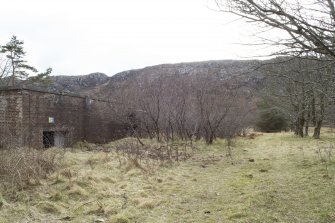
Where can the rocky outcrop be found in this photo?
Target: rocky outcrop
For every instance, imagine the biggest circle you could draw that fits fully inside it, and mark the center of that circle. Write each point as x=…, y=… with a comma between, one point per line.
x=77, y=83
x=80, y=84
x=100, y=85
x=246, y=71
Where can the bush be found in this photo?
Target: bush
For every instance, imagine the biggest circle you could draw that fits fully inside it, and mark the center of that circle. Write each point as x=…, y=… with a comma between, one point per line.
x=22, y=167
x=271, y=120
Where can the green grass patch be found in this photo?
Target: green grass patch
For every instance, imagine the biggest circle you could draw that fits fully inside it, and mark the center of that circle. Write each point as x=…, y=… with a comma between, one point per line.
x=271, y=178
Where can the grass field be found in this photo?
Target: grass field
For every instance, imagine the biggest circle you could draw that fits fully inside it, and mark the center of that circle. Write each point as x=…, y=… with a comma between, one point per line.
x=272, y=178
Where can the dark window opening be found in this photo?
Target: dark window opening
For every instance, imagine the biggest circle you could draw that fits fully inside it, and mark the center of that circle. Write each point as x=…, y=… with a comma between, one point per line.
x=54, y=139
x=48, y=139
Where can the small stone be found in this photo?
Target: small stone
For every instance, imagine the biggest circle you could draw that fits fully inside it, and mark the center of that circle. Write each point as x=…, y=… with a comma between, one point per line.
x=66, y=218
x=99, y=220
x=250, y=176
x=326, y=176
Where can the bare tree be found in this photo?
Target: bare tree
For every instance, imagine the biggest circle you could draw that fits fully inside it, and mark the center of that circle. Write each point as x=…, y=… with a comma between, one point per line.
x=300, y=88
x=309, y=24
x=182, y=107
x=214, y=101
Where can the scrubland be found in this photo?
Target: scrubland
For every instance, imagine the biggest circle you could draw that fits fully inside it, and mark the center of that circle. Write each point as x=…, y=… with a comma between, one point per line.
x=273, y=177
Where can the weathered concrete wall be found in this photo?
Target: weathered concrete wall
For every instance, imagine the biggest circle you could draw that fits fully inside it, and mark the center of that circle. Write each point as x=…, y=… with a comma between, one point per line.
x=27, y=113
x=100, y=125
x=66, y=111
x=11, y=116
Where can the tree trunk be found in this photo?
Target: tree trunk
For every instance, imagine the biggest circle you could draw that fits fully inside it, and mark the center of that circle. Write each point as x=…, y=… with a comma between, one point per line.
x=317, y=130
x=296, y=127
x=299, y=127
x=209, y=138
x=318, y=124
x=307, y=122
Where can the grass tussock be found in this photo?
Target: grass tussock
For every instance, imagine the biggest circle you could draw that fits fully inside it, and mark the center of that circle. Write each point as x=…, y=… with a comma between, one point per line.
x=23, y=167
x=268, y=178
x=48, y=207
x=119, y=219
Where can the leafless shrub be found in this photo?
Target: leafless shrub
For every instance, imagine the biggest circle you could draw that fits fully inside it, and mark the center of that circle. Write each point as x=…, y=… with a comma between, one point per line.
x=174, y=108
x=325, y=154
x=23, y=166
x=162, y=152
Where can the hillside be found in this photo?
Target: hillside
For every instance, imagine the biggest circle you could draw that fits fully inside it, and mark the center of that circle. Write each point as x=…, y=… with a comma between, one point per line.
x=71, y=84
x=102, y=85
x=77, y=83
x=245, y=71
x=63, y=83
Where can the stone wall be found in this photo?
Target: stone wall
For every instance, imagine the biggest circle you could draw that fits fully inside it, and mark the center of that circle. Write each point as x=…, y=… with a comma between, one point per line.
x=44, y=111
x=79, y=118
x=11, y=114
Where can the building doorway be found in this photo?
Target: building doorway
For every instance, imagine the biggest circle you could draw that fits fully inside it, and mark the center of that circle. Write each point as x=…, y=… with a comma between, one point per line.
x=53, y=139
x=59, y=139
x=48, y=139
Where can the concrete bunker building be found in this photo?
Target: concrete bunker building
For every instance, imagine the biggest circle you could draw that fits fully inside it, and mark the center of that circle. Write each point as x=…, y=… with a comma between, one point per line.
x=42, y=119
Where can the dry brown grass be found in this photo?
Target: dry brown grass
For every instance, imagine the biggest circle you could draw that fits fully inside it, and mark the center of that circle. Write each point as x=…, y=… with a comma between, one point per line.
x=273, y=178
x=23, y=167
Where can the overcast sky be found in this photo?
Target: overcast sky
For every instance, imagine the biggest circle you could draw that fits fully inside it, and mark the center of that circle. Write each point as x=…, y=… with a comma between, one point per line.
x=80, y=37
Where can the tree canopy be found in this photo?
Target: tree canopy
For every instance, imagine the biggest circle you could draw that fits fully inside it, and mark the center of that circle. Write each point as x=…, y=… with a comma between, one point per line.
x=14, y=66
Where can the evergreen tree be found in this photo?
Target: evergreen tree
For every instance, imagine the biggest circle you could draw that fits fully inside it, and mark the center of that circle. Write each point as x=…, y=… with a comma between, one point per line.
x=41, y=78
x=270, y=119
x=15, y=55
